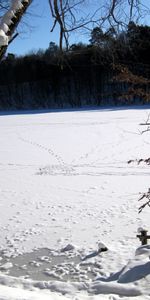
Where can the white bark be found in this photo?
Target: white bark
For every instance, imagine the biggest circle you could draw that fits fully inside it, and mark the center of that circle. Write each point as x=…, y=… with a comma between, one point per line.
x=6, y=21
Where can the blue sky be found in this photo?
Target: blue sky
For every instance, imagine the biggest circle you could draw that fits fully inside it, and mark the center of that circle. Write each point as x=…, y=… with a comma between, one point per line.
x=34, y=33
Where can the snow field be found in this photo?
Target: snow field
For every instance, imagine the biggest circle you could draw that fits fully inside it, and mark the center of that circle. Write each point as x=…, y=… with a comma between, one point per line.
x=65, y=180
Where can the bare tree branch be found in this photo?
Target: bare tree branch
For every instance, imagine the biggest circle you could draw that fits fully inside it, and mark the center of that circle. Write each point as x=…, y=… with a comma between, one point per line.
x=147, y=203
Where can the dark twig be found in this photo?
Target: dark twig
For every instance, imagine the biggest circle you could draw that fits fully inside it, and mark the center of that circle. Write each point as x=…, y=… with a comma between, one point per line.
x=147, y=203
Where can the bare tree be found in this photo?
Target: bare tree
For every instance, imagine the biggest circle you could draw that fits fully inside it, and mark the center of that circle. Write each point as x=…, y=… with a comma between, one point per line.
x=71, y=15
x=118, y=13
x=66, y=15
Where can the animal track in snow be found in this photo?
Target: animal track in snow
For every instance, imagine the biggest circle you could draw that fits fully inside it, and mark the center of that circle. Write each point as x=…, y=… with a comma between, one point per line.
x=56, y=170
x=89, y=170
x=50, y=151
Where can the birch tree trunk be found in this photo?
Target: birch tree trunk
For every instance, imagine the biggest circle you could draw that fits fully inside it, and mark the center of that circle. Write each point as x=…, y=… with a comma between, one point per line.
x=10, y=21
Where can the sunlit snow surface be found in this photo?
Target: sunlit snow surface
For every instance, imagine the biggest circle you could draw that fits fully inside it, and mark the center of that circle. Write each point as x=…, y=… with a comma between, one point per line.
x=65, y=180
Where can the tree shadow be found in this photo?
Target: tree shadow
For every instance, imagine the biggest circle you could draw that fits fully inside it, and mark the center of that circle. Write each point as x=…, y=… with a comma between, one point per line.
x=75, y=109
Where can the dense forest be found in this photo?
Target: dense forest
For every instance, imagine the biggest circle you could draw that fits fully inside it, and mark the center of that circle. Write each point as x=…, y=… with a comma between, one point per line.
x=112, y=69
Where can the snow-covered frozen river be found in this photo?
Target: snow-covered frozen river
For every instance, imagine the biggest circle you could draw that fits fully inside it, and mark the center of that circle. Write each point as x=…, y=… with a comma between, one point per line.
x=65, y=180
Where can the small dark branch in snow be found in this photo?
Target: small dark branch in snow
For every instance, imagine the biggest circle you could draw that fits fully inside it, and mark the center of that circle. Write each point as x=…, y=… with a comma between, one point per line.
x=141, y=160
x=130, y=161
x=146, y=130
x=95, y=253
x=146, y=123
x=138, y=161
x=143, y=236
x=145, y=196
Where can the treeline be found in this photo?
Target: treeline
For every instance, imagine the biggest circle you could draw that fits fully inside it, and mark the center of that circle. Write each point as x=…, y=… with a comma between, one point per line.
x=95, y=74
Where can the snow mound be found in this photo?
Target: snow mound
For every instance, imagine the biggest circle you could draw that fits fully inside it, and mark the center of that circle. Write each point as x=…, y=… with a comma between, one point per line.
x=135, y=270
x=6, y=266
x=115, y=288
x=143, y=250
x=133, y=280
x=102, y=247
